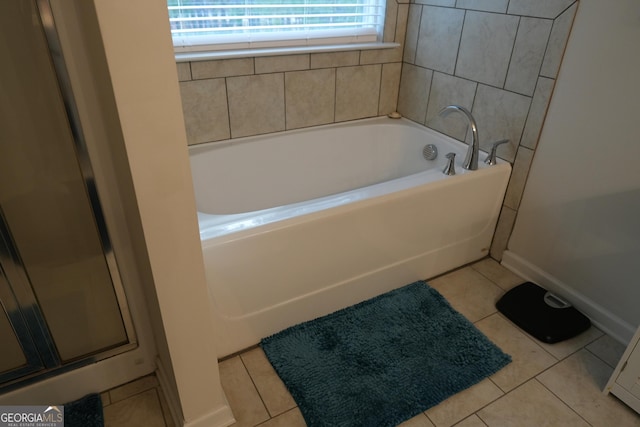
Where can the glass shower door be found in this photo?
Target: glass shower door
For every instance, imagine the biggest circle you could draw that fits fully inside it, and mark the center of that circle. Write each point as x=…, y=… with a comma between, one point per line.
x=58, y=267
x=18, y=356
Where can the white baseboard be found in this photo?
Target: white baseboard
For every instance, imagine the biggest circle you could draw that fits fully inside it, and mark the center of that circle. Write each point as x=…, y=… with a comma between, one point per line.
x=170, y=396
x=220, y=417
x=602, y=318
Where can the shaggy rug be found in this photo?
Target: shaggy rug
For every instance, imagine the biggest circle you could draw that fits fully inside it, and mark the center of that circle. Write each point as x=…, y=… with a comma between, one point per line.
x=383, y=361
x=85, y=412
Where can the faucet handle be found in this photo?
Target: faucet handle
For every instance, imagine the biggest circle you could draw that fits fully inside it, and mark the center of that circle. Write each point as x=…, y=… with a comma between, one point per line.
x=450, y=169
x=492, y=157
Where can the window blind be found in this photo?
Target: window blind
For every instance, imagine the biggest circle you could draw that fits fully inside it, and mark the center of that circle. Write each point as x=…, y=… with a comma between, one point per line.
x=239, y=24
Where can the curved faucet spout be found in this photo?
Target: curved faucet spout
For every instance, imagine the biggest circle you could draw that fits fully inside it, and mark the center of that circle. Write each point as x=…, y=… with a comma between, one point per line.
x=471, y=159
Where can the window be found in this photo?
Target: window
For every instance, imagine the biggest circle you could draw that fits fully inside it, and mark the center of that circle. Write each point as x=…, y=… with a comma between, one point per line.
x=199, y=25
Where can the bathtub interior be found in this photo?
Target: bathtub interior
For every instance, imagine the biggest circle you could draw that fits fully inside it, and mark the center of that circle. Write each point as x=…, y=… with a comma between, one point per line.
x=238, y=187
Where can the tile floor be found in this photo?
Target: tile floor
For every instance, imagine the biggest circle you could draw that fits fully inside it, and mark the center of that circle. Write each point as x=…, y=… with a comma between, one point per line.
x=545, y=385
x=139, y=403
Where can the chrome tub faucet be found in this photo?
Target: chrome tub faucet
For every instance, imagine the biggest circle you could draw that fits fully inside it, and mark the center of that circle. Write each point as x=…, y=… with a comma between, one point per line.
x=473, y=152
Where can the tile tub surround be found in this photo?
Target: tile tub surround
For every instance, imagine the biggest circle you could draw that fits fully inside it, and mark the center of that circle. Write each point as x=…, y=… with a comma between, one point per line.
x=497, y=58
x=233, y=98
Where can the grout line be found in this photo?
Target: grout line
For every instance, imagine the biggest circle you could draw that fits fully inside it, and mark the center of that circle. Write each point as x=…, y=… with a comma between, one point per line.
x=380, y=82
x=513, y=49
x=561, y=400
x=285, y=412
x=130, y=395
x=335, y=91
x=255, y=386
x=455, y=64
x=597, y=356
x=284, y=98
x=238, y=353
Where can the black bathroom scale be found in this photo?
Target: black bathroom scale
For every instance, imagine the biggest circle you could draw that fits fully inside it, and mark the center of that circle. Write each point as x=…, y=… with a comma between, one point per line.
x=542, y=314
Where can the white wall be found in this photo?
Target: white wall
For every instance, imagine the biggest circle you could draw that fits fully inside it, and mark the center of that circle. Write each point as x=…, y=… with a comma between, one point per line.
x=139, y=56
x=578, y=227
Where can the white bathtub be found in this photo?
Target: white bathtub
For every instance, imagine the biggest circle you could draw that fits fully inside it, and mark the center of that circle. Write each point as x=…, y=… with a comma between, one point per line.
x=298, y=224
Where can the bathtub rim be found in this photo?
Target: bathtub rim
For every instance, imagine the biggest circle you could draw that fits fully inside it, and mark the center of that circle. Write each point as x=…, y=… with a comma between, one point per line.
x=384, y=196
x=218, y=226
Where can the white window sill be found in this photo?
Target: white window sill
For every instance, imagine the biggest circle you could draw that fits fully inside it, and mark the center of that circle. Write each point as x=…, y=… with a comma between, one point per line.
x=245, y=53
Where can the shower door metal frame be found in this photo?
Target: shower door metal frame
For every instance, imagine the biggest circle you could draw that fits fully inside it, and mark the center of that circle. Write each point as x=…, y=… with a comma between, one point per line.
x=12, y=310
x=16, y=295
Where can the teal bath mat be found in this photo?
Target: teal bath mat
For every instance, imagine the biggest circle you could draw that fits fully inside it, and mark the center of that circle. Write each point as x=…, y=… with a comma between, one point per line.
x=85, y=412
x=382, y=361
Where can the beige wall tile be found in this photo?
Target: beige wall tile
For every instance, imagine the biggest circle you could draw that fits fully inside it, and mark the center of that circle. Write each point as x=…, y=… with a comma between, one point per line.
x=222, y=68
x=380, y=56
x=390, y=21
x=485, y=47
x=527, y=56
x=499, y=6
x=310, y=97
x=411, y=38
x=415, y=85
x=275, y=64
x=184, y=71
x=448, y=3
x=439, y=38
x=503, y=230
x=518, y=179
x=500, y=115
x=557, y=42
x=538, y=8
x=256, y=104
x=389, y=88
x=335, y=59
x=204, y=104
x=479, y=43
x=537, y=112
x=357, y=92
x=403, y=19
x=450, y=90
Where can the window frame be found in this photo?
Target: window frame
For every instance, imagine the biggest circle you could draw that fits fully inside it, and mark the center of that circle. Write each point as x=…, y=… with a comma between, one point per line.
x=286, y=45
